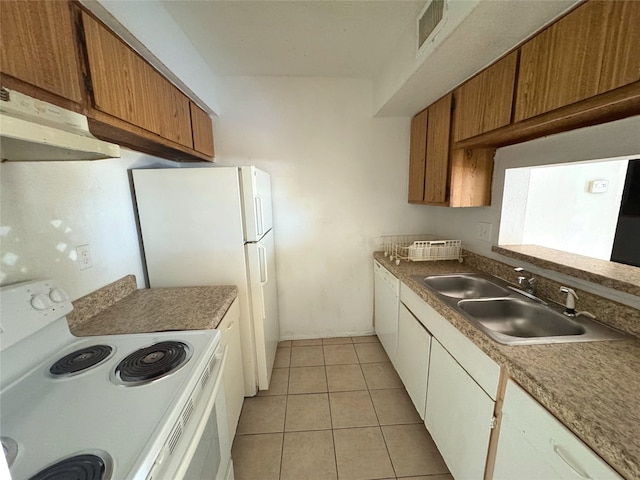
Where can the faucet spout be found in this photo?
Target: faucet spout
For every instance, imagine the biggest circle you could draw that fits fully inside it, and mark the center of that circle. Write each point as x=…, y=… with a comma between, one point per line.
x=526, y=280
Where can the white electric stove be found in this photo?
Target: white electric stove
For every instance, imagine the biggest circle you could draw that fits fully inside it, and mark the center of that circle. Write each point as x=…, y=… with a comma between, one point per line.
x=106, y=407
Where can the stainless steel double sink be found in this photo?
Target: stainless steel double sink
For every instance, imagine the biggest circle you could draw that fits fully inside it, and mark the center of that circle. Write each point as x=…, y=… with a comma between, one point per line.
x=511, y=316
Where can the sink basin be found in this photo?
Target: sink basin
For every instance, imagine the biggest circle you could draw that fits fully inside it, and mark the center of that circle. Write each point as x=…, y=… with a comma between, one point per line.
x=520, y=318
x=511, y=316
x=467, y=285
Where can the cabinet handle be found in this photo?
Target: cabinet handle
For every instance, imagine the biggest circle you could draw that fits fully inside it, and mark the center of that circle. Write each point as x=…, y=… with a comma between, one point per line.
x=259, y=216
x=564, y=457
x=230, y=326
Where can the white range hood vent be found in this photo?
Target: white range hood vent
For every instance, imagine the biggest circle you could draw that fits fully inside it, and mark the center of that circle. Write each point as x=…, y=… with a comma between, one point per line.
x=31, y=129
x=430, y=21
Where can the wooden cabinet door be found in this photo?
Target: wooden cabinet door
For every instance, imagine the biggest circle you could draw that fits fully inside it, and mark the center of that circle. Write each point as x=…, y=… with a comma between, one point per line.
x=128, y=88
x=484, y=102
x=436, y=175
x=458, y=415
x=417, y=156
x=202, y=128
x=38, y=46
x=414, y=344
x=590, y=51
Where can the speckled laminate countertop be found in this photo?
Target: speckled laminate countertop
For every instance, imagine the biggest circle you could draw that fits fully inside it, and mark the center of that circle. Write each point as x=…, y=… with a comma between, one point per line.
x=592, y=388
x=160, y=309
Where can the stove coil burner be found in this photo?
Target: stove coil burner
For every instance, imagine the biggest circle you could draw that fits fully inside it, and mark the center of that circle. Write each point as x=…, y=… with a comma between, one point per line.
x=87, y=466
x=153, y=362
x=80, y=360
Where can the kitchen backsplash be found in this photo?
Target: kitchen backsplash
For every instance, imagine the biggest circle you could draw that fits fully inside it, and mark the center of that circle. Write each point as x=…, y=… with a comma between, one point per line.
x=95, y=302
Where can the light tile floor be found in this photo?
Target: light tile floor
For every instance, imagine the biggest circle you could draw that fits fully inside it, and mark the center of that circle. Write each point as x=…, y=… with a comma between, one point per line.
x=336, y=410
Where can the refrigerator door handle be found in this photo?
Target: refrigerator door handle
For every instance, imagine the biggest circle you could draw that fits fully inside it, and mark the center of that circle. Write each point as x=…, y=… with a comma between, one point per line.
x=262, y=254
x=259, y=216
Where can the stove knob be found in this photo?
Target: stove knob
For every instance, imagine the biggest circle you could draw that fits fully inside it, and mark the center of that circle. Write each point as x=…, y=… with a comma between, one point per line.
x=57, y=295
x=40, y=301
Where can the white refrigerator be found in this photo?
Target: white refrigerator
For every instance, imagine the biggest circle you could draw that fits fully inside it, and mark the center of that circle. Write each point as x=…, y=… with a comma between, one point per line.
x=213, y=226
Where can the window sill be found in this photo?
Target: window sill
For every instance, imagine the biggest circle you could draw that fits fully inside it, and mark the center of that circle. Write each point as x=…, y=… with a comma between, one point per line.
x=624, y=278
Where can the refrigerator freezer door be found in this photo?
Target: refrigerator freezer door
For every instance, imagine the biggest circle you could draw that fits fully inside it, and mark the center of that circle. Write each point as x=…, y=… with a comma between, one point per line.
x=191, y=226
x=264, y=304
x=256, y=202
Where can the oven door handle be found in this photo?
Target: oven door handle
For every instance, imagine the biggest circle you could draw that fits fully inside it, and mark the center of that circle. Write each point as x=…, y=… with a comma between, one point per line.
x=190, y=451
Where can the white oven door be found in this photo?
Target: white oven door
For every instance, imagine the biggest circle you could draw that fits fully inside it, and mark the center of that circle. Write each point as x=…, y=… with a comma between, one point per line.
x=204, y=450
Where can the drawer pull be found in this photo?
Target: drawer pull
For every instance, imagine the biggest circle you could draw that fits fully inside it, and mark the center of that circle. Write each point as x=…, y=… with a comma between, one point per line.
x=565, y=458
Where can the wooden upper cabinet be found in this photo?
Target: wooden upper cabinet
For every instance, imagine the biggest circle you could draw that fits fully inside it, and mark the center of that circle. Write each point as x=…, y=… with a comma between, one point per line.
x=592, y=50
x=439, y=175
x=38, y=46
x=202, y=127
x=484, y=102
x=436, y=176
x=417, y=157
x=125, y=86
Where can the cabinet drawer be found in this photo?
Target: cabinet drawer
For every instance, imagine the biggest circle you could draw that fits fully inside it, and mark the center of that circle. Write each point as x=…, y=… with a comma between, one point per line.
x=533, y=444
x=484, y=371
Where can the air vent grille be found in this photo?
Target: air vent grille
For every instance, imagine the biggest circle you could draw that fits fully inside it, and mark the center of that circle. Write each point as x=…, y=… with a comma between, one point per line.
x=204, y=378
x=188, y=411
x=175, y=438
x=429, y=19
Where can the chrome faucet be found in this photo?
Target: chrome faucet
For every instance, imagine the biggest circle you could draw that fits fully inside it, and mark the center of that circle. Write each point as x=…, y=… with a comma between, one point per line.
x=526, y=280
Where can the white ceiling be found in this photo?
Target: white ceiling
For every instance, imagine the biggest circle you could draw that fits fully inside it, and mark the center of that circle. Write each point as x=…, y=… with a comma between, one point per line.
x=336, y=38
x=373, y=39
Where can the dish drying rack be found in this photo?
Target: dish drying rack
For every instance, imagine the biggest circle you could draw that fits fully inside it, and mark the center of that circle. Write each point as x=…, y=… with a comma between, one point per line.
x=420, y=248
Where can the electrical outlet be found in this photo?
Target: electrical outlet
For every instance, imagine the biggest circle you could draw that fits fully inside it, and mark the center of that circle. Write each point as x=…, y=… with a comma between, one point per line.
x=84, y=257
x=483, y=231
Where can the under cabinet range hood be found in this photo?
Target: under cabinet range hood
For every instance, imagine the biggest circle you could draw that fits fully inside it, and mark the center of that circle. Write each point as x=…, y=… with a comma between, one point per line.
x=31, y=129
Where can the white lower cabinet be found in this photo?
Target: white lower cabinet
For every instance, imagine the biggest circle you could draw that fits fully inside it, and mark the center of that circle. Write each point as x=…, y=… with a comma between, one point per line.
x=386, y=301
x=414, y=345
x=233, y=376
x=458, y=415
x=534, y=445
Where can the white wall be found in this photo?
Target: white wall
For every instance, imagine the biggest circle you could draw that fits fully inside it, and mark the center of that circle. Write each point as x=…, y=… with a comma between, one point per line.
x=562, y=214
x=339, y=181
x=49, y=208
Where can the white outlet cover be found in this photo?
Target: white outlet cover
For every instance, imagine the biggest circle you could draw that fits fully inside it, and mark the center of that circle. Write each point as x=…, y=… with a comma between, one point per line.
x=483, y=231
x=84, y=257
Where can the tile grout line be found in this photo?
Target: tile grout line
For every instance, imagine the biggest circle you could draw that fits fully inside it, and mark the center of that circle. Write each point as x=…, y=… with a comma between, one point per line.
x=333, y=437
x=395, y=474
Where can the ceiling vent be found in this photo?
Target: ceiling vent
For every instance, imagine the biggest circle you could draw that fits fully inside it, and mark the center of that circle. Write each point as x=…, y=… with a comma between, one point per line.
x=430, y=21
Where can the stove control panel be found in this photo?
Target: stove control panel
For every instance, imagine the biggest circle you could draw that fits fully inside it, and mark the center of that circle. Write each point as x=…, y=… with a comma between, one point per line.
x=28, y=307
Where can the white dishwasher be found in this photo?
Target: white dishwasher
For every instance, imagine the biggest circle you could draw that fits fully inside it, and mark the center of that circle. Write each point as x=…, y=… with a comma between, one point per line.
x=387, y=303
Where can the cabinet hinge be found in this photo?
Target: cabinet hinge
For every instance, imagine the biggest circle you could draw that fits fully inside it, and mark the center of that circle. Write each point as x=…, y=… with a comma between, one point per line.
x=493, y=422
